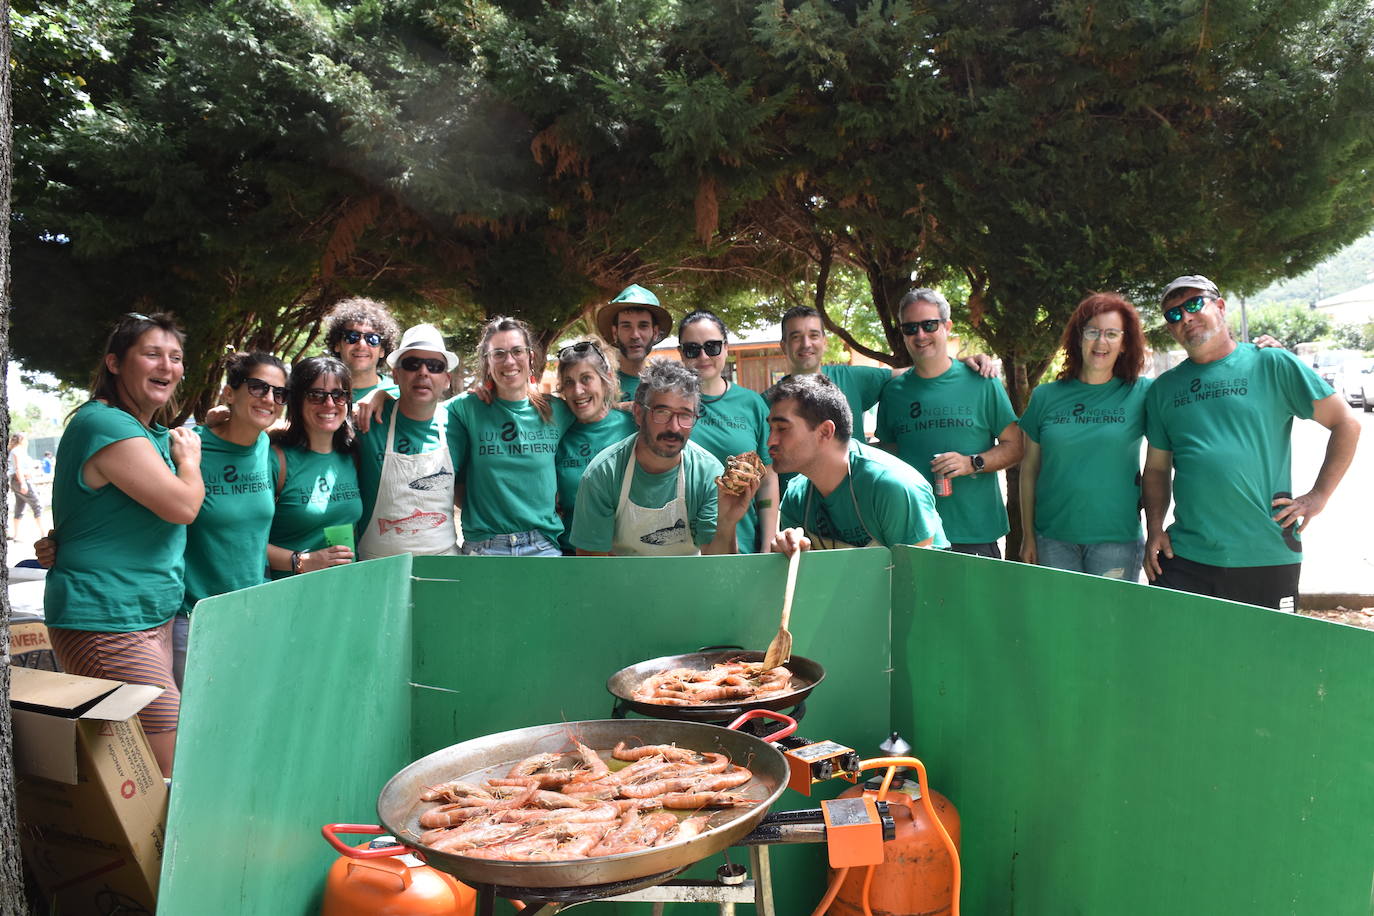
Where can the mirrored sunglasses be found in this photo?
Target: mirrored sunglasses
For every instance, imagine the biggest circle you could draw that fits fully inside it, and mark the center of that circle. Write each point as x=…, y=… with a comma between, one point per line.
x=1174, y=314
x=372, y=338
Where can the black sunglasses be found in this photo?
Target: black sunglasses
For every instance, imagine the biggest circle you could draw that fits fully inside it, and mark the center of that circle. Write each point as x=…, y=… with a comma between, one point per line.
x=413, y=364
x=372, y=337
x=693, y=350
x=1174, y=313
x=258, y=389
x=319, y=395
x=582, y=346
x=930, y=326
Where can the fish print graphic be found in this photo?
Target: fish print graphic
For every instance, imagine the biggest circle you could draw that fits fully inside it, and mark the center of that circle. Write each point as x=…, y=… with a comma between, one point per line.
x=673, y=535
x=413, y=523
x=434, y=481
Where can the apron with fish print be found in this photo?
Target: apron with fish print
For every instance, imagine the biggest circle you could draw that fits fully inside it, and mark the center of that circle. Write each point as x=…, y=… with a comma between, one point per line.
x=414, y=508
x=643, y=532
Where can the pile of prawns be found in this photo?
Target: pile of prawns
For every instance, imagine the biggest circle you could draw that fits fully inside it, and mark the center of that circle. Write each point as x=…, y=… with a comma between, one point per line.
x=724, y=682
x=550, y=809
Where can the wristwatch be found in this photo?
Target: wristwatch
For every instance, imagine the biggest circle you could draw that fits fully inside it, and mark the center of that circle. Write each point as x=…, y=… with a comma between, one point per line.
x=977, y=463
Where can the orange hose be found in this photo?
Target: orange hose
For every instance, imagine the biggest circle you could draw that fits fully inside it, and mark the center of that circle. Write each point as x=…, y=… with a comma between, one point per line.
x=835, y=881
x=892, y=763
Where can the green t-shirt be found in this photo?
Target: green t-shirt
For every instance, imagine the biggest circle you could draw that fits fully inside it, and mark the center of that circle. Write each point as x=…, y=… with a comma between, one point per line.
x=119, y=567
x=1228, y=424
x=413, y=437
x=321, y=491
x=226, y=546
x=883, y=499
x=1088, y=488
x=505, y=452
x=629, y=384
x=731, y=424
x=957, y=411
x=599, y=495
x=861, y=386
x=389, y=387
x=579, y=445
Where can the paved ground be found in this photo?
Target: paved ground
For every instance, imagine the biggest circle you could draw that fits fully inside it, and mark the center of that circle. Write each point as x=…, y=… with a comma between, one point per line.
x=1338, y=547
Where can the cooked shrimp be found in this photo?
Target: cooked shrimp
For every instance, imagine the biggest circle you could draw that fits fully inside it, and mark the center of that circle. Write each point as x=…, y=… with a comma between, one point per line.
x=693, y=800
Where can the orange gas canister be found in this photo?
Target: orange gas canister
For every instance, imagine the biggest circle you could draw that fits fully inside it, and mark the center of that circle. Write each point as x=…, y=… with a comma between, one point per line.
x=381, y=879
x=917, y=876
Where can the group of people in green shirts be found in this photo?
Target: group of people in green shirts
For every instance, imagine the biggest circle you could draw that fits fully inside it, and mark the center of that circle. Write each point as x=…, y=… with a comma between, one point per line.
x=626, y=462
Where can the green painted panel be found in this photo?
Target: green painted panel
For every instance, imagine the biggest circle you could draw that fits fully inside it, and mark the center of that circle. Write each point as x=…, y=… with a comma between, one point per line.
x=296, y=711
x=1114, y=748
x=504, y=643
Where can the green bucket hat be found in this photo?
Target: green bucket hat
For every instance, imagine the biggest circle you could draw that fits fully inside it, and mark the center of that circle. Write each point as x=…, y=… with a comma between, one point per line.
x=637, y=297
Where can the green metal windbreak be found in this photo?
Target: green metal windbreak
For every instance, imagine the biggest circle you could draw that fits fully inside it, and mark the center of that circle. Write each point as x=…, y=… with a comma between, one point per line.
x=1112, y=748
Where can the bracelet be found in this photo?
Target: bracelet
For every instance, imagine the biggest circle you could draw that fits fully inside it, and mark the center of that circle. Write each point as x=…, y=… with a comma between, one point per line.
x=764, y=503
x=295, y=562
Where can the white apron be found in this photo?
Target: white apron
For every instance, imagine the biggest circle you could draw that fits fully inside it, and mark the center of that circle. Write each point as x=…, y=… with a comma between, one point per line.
x=414, y=508
x=641, y=532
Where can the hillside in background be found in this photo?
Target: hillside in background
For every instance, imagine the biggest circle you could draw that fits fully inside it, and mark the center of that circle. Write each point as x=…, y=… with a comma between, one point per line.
x=1351, y=267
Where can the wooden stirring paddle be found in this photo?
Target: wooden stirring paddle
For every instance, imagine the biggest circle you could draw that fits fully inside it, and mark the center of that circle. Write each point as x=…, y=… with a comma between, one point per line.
x=780, y=649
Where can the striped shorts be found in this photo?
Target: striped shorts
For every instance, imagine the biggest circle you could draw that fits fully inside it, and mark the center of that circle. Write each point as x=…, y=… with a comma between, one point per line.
x=140, y=657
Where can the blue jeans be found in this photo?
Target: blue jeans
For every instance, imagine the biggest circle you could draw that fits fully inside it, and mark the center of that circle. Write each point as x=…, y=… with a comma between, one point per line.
x=181, y=633
x=524, y=544
x=1114, y=561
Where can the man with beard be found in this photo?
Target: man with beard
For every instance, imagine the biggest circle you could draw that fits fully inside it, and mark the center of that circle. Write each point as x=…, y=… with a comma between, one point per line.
x=655, y=494
x=846, y=493
x=633, y=322
x=1220, y=423
x=405, y=470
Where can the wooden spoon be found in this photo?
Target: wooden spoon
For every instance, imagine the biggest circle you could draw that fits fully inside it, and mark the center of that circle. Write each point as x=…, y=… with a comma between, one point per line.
x=780, y=649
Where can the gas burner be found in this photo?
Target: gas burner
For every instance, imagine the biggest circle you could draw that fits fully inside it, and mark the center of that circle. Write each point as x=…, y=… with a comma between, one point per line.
x=620, y=709
x=536, y=898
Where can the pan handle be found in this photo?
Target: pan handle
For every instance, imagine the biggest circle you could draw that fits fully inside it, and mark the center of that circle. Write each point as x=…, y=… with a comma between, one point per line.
x=789, y=723
x=330, y=831
x=714, y=648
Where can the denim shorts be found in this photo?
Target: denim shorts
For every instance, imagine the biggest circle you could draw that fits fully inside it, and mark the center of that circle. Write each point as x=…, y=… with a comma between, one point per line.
x=524, y=544
x=1120, y=560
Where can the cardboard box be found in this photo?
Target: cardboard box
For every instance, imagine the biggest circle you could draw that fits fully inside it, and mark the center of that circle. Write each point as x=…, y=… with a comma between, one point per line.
x=30, y=646
x=92, y=803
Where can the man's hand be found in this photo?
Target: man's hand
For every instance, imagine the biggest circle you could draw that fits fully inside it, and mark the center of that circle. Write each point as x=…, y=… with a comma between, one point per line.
x=45, y=550
x=217, y=416
x=1028, y=554
x=1156, y=544
x=1264, y=340
x=983, y=364
x=731, y=508
x=952, y=464
x=369, y=408
x=1303, y=507
x=788, y=541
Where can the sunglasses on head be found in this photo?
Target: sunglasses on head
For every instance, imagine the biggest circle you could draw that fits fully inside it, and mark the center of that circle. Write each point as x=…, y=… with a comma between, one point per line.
x=413, y=364
x=259, y=389
x=372, y=338
x=579, y=348
x=693, y=350
x=320, y=395
x=930, y=326
x=1174, y=314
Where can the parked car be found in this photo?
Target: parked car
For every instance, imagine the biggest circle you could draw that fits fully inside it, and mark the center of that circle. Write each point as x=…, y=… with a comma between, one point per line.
x=1365, y=392
x=1350, y=378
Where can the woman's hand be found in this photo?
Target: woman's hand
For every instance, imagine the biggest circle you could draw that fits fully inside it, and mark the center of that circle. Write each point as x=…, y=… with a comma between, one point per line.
x=1028, y=554
x=45, y=551
x=185, y=447
x=325, y=557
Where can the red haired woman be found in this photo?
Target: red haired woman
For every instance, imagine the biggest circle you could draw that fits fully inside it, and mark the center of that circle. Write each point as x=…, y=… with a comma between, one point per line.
x=1080, y=477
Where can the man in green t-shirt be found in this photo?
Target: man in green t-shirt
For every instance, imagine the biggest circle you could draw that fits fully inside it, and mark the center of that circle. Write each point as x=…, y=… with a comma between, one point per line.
x=948, y=422
x=360, y=333
x=804, y=342
x=633, y=322
x=656, y=493
x=845, y=494
x=1219, y=427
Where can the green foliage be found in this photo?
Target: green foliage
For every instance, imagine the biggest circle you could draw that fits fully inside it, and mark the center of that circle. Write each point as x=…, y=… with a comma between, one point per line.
x=1345, y=270
x=1354, y=336
x=1289, y=323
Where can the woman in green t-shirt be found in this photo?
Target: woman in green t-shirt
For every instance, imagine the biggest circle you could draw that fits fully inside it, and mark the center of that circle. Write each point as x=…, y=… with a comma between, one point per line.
x=734, y=420
x=313, y=471
x=226, y=546
x=125, y=487
x=589, y=385
x=1080, y=476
